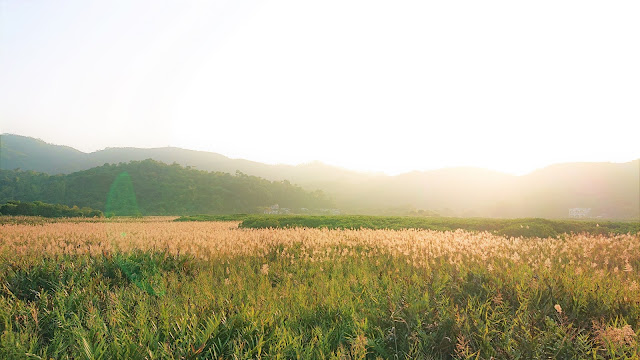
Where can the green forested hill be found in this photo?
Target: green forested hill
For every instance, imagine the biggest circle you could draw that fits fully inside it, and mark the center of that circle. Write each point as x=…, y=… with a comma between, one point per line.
x=159, y=189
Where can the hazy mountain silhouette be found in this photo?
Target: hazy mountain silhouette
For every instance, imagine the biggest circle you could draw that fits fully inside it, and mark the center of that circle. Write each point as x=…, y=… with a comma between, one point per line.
x=611, y=190
x=33, y=154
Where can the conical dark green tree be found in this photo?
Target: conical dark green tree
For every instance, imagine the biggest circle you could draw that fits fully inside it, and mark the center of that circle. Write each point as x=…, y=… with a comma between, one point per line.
x=121, y=200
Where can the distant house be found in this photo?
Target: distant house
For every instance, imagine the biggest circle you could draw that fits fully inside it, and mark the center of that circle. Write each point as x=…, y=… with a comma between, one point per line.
x=273, y=209
x=579, y=213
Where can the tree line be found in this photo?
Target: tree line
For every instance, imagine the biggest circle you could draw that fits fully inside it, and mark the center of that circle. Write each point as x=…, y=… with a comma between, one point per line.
x=38, y=208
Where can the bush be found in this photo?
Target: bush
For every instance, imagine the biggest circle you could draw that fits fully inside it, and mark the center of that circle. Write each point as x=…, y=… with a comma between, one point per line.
x=508, y=227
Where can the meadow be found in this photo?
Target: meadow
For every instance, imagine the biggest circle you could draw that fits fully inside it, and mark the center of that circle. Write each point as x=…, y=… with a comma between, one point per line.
x=154, y=288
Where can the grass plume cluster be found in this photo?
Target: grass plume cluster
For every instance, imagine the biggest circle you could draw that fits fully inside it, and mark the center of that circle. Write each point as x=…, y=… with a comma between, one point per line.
x=158, y=289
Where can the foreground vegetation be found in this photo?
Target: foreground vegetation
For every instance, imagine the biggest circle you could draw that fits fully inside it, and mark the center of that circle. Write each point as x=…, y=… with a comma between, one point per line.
x=506, y=227
x=158, y=289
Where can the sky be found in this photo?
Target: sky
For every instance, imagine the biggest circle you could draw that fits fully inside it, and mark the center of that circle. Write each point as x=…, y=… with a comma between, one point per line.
x=380, y=86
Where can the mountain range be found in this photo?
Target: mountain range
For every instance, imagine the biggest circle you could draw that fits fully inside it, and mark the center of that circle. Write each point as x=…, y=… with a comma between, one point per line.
x=609, y=190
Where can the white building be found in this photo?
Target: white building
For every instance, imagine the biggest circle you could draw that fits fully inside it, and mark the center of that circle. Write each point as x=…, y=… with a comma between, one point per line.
x=579, y=213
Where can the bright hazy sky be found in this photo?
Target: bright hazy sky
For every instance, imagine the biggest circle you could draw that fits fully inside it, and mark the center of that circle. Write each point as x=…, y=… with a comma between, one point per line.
x=388, y=86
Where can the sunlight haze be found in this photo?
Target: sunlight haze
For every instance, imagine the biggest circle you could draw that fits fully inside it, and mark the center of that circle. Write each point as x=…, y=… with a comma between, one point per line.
x=374, y=86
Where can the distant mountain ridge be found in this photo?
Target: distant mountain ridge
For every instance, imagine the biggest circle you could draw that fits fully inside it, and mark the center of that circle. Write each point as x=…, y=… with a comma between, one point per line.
x=28, y=153
x=610, y=190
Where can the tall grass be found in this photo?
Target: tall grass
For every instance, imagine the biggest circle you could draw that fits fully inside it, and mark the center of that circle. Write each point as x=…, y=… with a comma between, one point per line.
x=209, y=290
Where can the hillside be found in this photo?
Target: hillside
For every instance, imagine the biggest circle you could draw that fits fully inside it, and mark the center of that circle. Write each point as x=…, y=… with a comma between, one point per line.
x=610, y=190
x=152, y=188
